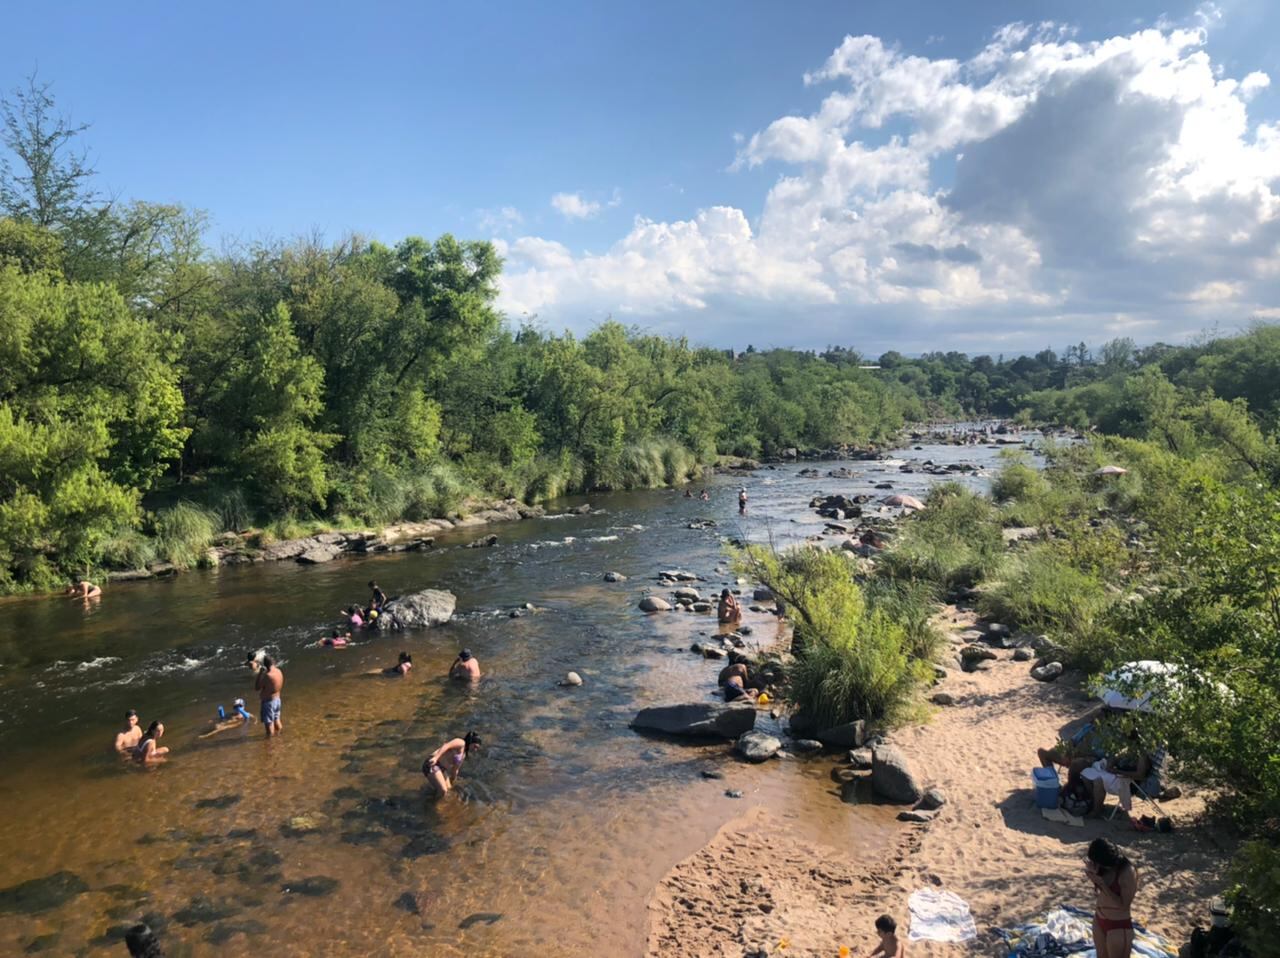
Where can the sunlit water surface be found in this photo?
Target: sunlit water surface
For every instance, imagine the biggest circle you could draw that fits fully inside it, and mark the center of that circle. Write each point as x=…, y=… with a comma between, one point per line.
x=561, y=826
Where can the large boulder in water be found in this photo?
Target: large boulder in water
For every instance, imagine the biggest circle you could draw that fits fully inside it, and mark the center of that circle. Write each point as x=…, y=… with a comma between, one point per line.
x=697, y=719
x=420, y=610
x=756, y=746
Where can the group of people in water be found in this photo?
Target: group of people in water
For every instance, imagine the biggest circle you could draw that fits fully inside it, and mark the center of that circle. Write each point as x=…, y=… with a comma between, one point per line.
x=440, y=769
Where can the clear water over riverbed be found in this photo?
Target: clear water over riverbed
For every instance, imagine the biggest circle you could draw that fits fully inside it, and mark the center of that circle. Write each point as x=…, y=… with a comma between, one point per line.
x=560, y=828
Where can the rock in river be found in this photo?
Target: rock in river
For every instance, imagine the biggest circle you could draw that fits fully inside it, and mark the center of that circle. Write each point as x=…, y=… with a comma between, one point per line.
x=891, y=779
x=421, y=610
x=757, y=746
x=42, y=894
x=571, y=678
x=697, y=719
x=849, y=735
x=614, y=577
x=652, y=603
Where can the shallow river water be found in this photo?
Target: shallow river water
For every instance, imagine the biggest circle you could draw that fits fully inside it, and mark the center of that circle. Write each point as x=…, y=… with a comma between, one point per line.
x=561, y=827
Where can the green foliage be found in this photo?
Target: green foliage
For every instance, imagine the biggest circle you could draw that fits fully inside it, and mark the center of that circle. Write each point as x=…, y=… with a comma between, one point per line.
x=953, y=543
x=184, y=533
x=853, y=659
x=1255, y=895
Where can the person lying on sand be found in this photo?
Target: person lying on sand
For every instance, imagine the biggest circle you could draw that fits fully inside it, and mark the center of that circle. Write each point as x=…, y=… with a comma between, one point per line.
x=890, y=946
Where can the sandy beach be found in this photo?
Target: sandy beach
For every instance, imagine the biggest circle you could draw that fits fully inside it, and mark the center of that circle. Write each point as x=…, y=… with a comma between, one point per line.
x=757, y=886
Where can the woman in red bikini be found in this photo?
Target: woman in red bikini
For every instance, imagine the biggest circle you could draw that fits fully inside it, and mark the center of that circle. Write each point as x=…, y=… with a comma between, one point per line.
x=1116, y=881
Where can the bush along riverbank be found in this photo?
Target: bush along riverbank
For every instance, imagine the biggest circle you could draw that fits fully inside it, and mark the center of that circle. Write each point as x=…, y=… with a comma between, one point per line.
x=1161, y=547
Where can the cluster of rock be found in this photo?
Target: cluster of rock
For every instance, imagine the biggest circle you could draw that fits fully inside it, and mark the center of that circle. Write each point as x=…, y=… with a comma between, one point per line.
x=233, y=548
x=929, y=467
x=838, y=506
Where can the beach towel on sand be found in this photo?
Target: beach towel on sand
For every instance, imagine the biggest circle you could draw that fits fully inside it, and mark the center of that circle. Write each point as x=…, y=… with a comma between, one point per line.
x=940, y=916
x=1069, y=931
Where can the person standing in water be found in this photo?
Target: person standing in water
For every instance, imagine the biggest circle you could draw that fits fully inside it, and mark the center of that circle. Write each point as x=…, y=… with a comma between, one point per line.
x=127, y=739
x=466, y=667
x=441, y=769
x=268, y=683
x=742, y=501
x=149, y=750
x=377, y=598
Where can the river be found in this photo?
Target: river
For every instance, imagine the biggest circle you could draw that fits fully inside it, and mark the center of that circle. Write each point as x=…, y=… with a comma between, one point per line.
x=561, y=826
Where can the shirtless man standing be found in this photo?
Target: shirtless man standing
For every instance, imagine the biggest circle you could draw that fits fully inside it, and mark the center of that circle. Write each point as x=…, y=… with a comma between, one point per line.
x=268, y=682
x=465, y=667
x=129, y=737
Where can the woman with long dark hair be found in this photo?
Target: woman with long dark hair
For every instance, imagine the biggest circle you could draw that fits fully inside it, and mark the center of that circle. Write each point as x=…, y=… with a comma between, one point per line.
x=1116, y=882
x=441, y=769
x=149, y=749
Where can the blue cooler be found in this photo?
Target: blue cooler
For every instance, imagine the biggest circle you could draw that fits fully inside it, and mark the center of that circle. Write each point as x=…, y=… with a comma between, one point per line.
x=1046, y=782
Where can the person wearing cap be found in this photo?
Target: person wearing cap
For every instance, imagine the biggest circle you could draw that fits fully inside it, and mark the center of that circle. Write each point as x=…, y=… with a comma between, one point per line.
x=465, y=667
x=127, y=738
x=239, y=717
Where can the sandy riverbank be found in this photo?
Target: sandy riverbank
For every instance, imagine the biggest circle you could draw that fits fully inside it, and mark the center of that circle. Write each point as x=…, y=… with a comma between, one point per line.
x=757, y=884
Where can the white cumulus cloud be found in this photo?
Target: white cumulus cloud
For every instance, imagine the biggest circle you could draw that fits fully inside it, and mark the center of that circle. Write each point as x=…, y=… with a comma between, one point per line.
x=1045, y=189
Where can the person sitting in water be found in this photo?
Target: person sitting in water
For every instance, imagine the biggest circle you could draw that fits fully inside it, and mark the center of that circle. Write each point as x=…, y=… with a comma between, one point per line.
x=704, y=496
x=355, y=616
x=401, y=668
x=441, y=769
x=378, y=598
x=465, y=667
x=737, y=668
x=127, y=738
x=240, y=717
x=728, y=610
x=338, y=640
x=148, y=751
x=742, y=501
x=83, y=589
x=735, y=688
x=688, y=493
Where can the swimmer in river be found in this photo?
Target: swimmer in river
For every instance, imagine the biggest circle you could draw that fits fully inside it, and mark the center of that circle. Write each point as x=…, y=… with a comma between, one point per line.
x=728, y=610
x=442, y=768
x=239, y=718
x=704, y=496
x=83, y=589
x=401, y=668
x=688, y=493
x=338, y=640
x=148, y=751
x=465, y=667
x=127, y=739
x=355, y=617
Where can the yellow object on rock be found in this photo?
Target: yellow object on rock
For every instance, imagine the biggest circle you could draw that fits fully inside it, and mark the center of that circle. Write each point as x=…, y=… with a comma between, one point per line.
x=764, y=698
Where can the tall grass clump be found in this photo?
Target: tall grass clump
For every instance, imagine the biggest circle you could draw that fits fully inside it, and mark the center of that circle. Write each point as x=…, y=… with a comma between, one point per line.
x=1042, y=589
x=911, y=605
x=852, y=659
x=954, y=543
x=183, y=534
x=127, y=548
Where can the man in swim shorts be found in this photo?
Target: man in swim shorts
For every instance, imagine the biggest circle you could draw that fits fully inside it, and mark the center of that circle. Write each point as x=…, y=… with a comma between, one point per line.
x=268, y=683
x=129, y=737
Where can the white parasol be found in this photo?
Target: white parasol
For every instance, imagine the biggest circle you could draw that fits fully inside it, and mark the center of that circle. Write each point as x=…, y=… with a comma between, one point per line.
x=1111, y=471
x=906, y=502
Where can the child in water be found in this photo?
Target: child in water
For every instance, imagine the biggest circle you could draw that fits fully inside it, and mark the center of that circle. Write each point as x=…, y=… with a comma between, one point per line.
x=337, y=640
x=240, y=717
x=402, y=667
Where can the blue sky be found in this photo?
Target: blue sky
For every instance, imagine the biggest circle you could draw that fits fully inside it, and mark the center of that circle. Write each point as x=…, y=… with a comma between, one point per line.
x=397, y=119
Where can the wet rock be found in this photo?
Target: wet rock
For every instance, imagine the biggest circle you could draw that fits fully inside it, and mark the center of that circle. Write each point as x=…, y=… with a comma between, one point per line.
x=420, y=610
x=223, y=933
x=421, y=846
x=841, y=775
x=202, y=910
x=918, y=815
x=806, y=746
x=757, y=746
x=614, y=577
x=480, y=917
x=933, y=799
x=762, y=593
x=408, y=901
x=319, y=554
x=218, y=801
x=702, y=607
x=1048, y=672
x=972, y=657
x=943, y=698
x=861, y=758
x=301, y=825
x=486, y=542
x=891, y=778
x=42, y=894
x=265, y=858
x=698, y=719
x=571, y=679
x=239, y=834
x=652, y=603
x=745, y=630
x=732, y=793
x=851, y=792
x=711, y=773
x=849, y=735
x=693, y=595
x=316, y=886
x=713, y=652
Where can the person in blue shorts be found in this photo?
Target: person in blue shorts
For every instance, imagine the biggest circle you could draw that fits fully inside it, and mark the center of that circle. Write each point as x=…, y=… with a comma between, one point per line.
x=268, y=683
